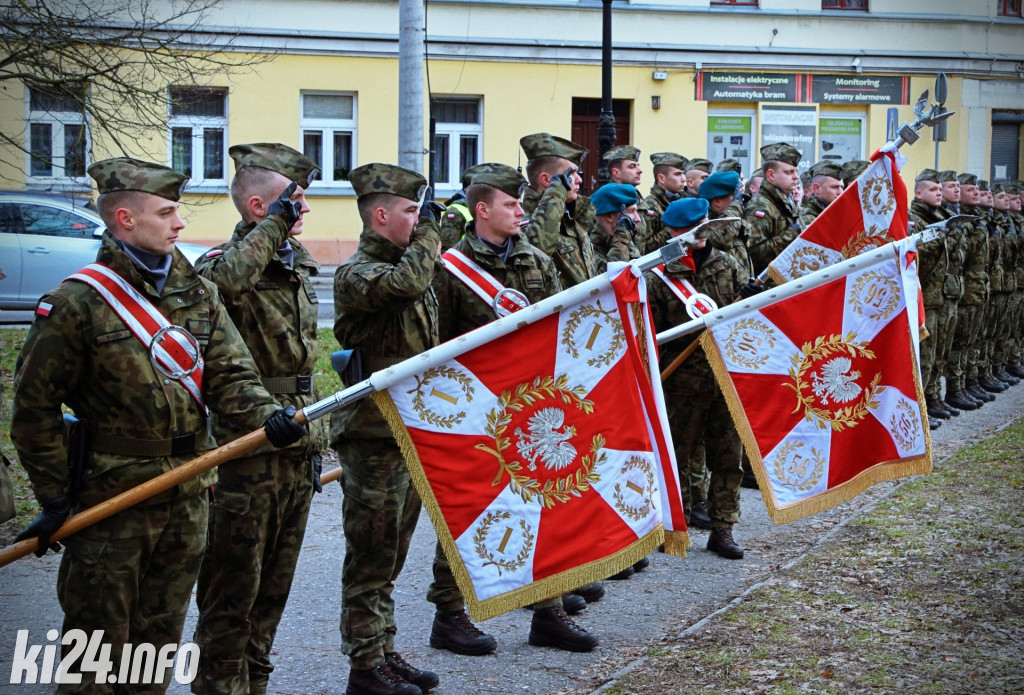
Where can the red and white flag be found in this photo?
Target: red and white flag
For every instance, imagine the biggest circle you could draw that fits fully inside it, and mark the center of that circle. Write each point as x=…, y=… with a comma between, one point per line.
x=870, y=213
x=543, y=456
x=824, y=387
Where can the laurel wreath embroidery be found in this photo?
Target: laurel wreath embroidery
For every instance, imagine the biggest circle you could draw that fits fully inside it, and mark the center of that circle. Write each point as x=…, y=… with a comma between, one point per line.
x=849, y=416
x=807, y=260
x=577, y=316
x=426, y=414
x=906, y=436
x=864, y=293
x=799, y=480
x=876, y=196
x=865, y=240
x=555, y=490
x=480, y=543
x=633, y=512
x=739, y=335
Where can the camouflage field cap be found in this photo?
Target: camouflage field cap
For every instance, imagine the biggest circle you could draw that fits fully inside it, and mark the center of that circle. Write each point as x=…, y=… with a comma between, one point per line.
x=805, y=179
x=611, y=197
x=699, y=164
x=927, y=175
x=966, y=179
x=684, y=212
x=781, y=152
x=127, y=174
x=946, y=175
x=758, y=172
x=1011, y=187
x=827, y=168
x=669, y=159
x=998, y=187
x=387, y=178
x=852, y=169
x=622, y=152
x=983, y=185
x=730, y=165
x=548, y=145
x=501, y=176
x=276, y=157
x=468, y=174
x=719, y=184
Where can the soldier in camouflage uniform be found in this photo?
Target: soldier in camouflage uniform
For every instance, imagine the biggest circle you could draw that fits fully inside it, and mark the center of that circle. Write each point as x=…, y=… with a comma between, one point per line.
x=751, y=187
x=771, y=213
x=623, y=164
x=947, y=357
x=558, y=219
x=386, y=309
x=719, y=190
x=131, y=575
x=986, y=383
x=697, y=170
x=1012, y=366
x=616, y=219
x=258, y=516
x=825, y=186
x=851, y=170
x=457, y=214
x=669, y=184
x=1012, y=258
x=697, y=410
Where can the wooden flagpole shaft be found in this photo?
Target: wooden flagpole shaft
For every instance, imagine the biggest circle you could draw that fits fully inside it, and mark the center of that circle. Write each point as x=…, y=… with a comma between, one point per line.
x=331, y=475
x=680, y=358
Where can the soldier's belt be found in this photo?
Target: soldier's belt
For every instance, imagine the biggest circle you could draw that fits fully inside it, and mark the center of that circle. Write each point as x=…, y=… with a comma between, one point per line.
x=301, y=384
x=149, y=448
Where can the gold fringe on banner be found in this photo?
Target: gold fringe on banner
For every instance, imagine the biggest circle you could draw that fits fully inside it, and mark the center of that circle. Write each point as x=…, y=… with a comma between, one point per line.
x=677, y=543
x=775, y=275
x=546, y=588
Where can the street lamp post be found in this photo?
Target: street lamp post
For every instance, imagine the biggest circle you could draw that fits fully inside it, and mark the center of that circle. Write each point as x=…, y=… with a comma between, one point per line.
x=606, y=126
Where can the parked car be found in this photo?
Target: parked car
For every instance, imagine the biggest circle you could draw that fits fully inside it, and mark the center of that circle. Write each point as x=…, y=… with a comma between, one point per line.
x=45, y=237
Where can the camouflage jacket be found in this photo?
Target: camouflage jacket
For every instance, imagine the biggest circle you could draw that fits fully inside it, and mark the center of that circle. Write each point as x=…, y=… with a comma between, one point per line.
x=994, y=267
x=274, y=307
x=615, y=247
x=385, y=307
x=454, y=221
x=1011, y=250
x=956, y=241
x=1018, y=267
x=810, y=210
x=657, y=233
x=733, y=239
x=976, y=284
x=84, y=356
x=526, y=269
x=719, y=276
x=559, y=231
x=774, y=224
x=933, y=257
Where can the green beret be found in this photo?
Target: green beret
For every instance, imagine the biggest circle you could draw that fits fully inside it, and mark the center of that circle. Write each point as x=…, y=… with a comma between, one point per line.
x=127, y=174
x=274, y=156
x=730, y=165
x=547, y=145
x=704, y=165
x=719, y=184
x=946, y=175
x=500, y=176
x=622, y=152
x=827, y=167
x=983, y=185
x=852, y=169
x=927, y=175
x=685, y=212
x=612, y=196
x=387, y=178
x=669, y=159
x=966, y=179
x=780, y=152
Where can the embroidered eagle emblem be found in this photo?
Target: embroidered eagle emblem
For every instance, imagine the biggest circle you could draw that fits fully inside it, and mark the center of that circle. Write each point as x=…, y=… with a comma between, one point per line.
x=836, y=381
x=545, y=442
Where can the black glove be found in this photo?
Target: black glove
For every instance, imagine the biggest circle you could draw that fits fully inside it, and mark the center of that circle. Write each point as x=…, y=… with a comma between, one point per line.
x=282, y=430
x=564, y=179
x=318, y=470
x=626, y=221
x=286, y=208
x=430, y=209
x=49, y=520
x=752, y=287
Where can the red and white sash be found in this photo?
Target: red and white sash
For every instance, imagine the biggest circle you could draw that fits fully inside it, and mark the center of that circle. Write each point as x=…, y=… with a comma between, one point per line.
x=687, y=293
x=145, y=321
x=483, y=284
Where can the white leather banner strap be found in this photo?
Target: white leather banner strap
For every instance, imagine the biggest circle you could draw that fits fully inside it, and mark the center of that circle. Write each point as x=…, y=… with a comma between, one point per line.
x=172, y=349
x=697, y=303
x=504, y=300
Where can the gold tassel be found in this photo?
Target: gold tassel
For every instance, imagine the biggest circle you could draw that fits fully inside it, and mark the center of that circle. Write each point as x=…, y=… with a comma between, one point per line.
x=775, y=275
x=677, y=543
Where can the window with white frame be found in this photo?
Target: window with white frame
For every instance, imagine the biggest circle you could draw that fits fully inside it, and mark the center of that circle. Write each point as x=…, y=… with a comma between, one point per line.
x=58, y=139
x=458, y=137
x=329, y=134
x=198, y=126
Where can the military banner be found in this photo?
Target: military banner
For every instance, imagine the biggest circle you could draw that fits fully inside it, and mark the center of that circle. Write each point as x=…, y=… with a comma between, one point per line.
x=543, y=456
x=870, y=213
x=824, y=386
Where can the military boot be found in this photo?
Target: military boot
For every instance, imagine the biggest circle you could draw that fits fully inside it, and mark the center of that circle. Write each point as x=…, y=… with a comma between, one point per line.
x=934, y=424
x=551, y=627
x=981, y=394
x=962, y=401
x=722, y=544
x=641, y=564
x=454, y=631
x=573, y=604
x=1007, y=377
x=936, y=409
x=379, y=680
x=1017, y=370
x=749, y=480
x=590, y=592
x=626, y=573
x=424, y=680
x=991, y=384
x=697, y=515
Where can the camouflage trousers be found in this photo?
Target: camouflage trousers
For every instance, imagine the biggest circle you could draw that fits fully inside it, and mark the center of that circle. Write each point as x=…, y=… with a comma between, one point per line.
x=1014, y=318
x=379, y=513
x=964, y=351
x=931, y=317
x=945, y=328
x=257, y=523
x=698, y=413
x=131, y=575
x=997, y=323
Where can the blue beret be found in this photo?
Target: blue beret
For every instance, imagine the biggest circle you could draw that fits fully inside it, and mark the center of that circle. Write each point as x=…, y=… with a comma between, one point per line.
x=719, y=184
x=612, y=196
x=685, y=212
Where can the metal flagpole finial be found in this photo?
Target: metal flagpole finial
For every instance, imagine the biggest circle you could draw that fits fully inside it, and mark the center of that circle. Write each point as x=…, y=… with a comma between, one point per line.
x=909, y=133
x=936, y=229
